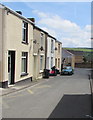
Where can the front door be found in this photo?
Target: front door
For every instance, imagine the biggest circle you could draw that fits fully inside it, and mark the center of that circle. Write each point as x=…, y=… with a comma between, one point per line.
x=11, y=67
x=35, y=67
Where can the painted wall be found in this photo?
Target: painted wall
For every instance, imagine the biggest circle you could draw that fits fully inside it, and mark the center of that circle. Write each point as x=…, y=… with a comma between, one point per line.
x=13, y=42
x=49, y=53
x=37, y=53
x=1, y=43
x=58, y=55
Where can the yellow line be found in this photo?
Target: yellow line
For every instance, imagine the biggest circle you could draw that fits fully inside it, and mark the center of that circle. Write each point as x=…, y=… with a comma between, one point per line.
x=44, y=86
x=30, y=91
x=14, y=96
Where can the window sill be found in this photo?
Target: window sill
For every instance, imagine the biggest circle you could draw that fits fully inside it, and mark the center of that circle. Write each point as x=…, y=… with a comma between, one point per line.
x=24, y=74
x=25, y=43
x=41, y=71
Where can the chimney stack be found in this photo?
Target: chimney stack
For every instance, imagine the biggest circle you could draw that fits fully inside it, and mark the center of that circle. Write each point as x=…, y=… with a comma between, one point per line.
x=32, y=19
x=19, y=12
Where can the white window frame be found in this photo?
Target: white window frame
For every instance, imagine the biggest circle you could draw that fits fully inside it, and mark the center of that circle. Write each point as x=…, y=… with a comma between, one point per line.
x=26, y=58
x=41, y=64
x=42, y=39
x=52, y=46
x=24, y=35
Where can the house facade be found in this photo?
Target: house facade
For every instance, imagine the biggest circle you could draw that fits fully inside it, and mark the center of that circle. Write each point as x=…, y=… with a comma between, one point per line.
x=78, y=56
x=39, y=52
x=16, y=47
x=50, y=56
x=25, y=49
x=68, y=58
x=58, y=54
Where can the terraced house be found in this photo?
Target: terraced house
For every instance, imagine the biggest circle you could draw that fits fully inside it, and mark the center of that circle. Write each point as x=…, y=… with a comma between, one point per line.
x=16, y=47
x=50, y=58
x=39, y=52
x=25, y=49
x=58, y=54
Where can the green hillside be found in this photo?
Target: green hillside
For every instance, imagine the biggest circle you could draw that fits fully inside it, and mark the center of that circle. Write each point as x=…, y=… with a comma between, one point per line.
x=80, y=49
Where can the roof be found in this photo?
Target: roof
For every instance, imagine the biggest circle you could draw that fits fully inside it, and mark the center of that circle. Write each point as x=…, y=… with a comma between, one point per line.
x=26, y=19
x=15, y=13
x=40, y=29
x=51, y=36
x=66, y=53
x=76, y=53
x=58, y=41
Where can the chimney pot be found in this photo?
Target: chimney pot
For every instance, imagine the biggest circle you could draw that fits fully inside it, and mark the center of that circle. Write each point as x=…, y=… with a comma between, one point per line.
x=19, y=12
x=32, y=19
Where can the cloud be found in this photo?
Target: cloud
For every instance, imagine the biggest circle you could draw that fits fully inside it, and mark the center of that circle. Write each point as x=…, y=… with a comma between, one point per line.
x=66, y=31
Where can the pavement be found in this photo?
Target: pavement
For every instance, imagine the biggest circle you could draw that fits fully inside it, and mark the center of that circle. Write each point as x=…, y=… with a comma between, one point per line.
x=19, y=86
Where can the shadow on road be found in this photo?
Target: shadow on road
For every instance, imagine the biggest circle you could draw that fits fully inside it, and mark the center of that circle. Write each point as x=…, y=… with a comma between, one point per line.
x=73, y=106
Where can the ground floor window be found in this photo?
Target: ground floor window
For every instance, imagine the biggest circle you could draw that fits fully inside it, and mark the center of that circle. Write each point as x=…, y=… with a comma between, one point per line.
x=41, y=62
x=24, y=62
x=58, y=62
x=51, y=62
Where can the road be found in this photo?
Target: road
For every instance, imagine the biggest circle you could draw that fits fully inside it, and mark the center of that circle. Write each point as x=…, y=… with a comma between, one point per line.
x=57, y=97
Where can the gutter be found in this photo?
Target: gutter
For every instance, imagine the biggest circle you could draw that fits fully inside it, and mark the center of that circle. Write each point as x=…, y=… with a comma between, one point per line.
x=15, y=13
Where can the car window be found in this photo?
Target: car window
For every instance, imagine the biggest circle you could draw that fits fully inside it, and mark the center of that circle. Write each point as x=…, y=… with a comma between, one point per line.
x=67, y=68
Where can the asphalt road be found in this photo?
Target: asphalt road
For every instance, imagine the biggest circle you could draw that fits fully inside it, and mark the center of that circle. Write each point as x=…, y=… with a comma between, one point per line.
x=57, y=97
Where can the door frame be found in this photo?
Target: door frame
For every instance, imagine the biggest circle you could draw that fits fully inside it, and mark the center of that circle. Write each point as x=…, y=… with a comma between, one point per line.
x=11, y=67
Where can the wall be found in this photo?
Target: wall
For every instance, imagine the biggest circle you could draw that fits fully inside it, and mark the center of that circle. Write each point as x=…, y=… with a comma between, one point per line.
x=1, y=43
x=78, y=59
x=49, y=53
x=58, y=55
x=13, y=42
x=37, y=37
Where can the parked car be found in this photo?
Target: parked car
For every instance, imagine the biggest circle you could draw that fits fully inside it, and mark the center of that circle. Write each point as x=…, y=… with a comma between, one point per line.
x=68, y=70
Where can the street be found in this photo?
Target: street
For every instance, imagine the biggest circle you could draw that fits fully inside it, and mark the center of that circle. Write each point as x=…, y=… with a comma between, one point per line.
x=57, y=97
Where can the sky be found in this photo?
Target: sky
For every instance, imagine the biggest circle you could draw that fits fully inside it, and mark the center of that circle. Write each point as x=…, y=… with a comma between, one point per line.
x=69, y=22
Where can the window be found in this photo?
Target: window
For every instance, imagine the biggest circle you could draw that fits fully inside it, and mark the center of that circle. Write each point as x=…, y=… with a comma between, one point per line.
x=41, y=42
x=52, y=46
x=59, y=48
x=58, y=62
x=41, y=62
x=51, y=62
x=24, y=62
x=25, y=32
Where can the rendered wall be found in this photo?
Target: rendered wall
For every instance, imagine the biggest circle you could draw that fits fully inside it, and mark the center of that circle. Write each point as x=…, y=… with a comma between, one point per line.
x=13, y=42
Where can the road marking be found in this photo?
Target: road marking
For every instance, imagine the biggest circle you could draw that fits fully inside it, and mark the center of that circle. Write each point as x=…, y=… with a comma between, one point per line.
x=30, y=91
x=14, y=96
x=44, y=86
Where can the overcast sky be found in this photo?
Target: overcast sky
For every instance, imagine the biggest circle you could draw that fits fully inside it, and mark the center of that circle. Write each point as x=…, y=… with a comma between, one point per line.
x=69, y=22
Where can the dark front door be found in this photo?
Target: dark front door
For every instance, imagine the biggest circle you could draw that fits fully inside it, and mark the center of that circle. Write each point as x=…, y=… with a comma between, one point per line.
x=11, y=67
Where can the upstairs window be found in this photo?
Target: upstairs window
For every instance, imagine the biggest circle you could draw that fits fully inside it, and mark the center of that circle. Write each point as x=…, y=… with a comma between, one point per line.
x=52, y=46
x=42, y=38
x=59, y=48
x=25, y=32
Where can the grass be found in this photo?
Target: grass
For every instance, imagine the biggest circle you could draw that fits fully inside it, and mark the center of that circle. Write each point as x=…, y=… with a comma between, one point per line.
x=80, y=49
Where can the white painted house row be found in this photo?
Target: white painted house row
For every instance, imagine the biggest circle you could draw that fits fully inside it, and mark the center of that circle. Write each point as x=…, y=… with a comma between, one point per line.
x=25, y=49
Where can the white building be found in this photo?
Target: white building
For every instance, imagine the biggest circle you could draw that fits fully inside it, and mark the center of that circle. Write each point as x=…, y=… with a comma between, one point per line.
x=50, y=59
